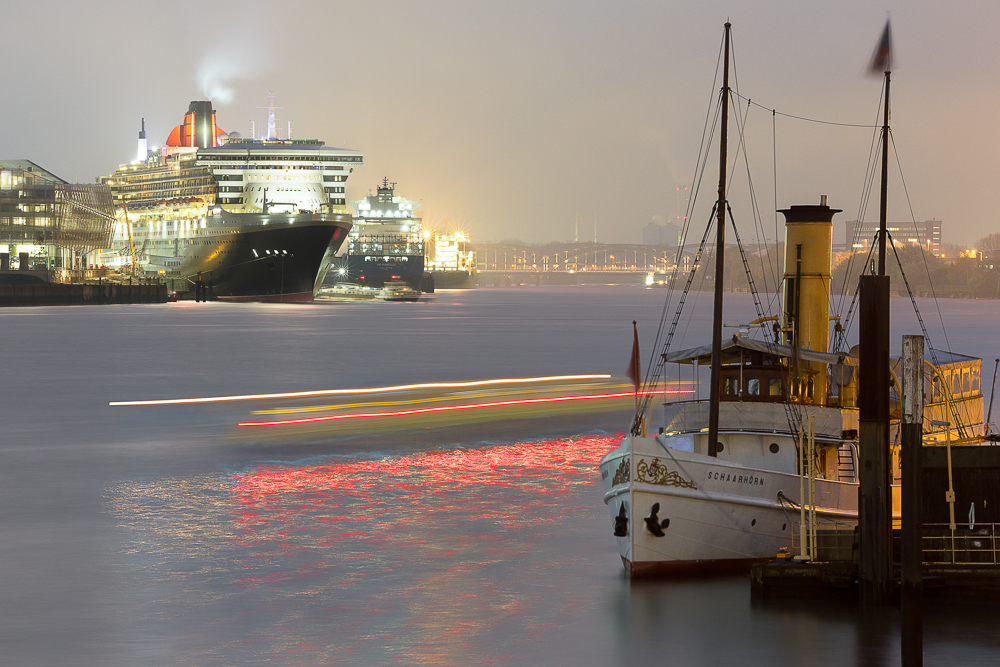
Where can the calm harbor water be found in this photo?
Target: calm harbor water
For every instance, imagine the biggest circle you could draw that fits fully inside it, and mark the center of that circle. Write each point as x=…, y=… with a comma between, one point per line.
x=161, y=535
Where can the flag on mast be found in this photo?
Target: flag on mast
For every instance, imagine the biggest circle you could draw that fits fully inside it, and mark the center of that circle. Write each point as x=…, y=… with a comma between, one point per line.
x=882, y=58
x=635, y=374
x=634, y=367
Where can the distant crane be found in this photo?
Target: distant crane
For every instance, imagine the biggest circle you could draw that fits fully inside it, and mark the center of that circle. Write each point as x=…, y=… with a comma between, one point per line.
x=131, y=243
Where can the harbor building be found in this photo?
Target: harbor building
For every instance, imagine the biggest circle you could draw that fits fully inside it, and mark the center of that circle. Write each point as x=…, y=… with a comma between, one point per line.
x=48, y=227
x=859, y=237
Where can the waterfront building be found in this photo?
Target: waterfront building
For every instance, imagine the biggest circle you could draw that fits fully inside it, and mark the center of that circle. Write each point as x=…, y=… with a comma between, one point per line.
x=859, y=237
x=50, y=225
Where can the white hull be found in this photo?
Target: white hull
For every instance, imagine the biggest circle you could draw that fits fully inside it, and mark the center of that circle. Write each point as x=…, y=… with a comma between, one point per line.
x=723, y=513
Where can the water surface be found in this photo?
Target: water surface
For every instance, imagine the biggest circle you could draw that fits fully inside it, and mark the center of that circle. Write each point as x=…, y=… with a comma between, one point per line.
x=164, y=536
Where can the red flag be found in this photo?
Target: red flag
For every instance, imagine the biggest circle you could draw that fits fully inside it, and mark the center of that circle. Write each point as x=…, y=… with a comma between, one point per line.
x=882, y=58
x=634, y=367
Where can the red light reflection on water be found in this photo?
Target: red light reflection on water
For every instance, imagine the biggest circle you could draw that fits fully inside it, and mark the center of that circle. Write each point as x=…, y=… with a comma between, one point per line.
x=430, y=555
x=439, y=500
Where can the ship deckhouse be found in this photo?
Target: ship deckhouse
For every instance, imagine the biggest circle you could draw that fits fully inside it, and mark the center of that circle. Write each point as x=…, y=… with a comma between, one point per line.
x=385, y=225
x=280, y=175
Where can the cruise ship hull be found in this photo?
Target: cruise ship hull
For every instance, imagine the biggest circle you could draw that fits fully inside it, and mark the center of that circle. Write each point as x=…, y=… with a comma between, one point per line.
x=257, y=257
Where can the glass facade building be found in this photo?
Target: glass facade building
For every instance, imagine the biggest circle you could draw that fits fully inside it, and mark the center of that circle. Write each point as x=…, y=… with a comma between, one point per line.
x=47, y=224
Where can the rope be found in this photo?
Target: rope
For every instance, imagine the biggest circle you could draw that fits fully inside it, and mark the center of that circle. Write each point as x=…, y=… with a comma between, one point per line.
x=803, y=118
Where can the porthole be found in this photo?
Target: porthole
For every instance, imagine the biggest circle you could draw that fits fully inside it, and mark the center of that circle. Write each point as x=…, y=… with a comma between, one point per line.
x=774, y=448
x=719, y=447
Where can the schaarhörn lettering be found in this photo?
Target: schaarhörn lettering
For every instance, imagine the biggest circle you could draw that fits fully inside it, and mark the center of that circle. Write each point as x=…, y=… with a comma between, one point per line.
x=733, y=477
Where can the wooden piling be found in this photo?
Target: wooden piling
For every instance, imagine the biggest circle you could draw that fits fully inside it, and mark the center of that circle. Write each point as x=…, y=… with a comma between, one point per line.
x=911, y=553
x=875, y=501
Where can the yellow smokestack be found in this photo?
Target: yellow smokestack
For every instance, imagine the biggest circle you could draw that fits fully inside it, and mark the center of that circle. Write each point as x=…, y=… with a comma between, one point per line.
x=808, y=248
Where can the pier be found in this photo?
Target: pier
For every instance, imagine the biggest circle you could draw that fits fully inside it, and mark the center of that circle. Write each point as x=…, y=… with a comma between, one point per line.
x=70, y=294
x=961, y=557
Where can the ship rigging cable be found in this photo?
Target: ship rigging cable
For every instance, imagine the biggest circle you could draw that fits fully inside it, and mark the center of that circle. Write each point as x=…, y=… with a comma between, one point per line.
x=657, y=362
x=741, y=122
x=758, y=222
x=803, y=118
x=923, y=255
x=870, y=172
x=652, y=368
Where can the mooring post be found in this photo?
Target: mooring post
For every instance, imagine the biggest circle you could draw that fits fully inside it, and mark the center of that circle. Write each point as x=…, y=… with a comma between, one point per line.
x=913, y=469
x=874, y=492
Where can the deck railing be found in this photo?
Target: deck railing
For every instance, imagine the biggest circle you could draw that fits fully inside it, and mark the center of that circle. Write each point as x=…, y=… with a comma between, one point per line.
x=977, y=543
x=968, y=543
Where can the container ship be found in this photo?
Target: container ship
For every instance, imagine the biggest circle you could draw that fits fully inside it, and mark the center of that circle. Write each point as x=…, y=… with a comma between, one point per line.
x=450, y=263
x=257, y=219
x=385, y=245
x=388, y=245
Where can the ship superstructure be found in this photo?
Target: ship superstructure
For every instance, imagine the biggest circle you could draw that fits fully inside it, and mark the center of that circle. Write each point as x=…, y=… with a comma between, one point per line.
x=258, y=218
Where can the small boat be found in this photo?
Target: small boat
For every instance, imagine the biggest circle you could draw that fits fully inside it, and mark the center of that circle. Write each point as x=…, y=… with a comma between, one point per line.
x=399, y=291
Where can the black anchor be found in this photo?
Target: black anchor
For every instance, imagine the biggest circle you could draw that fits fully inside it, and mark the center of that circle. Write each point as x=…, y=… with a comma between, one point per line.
x=621, y=523
x=653, y=523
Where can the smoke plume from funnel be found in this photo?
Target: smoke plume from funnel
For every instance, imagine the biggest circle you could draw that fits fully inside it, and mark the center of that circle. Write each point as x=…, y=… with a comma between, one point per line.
x=219, y=71
x=215, y=75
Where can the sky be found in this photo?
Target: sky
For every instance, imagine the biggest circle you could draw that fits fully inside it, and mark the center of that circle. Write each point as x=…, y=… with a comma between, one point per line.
x=517, y=119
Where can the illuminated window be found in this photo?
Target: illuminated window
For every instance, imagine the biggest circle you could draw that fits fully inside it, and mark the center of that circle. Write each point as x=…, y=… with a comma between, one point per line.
x=729, y=386
x=753, y=386
x=774, y=386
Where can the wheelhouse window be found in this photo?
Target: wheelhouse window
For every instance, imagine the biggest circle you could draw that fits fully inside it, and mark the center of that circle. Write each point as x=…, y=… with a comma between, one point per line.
x=753, y=386
x=774, y=386
x=730, y=386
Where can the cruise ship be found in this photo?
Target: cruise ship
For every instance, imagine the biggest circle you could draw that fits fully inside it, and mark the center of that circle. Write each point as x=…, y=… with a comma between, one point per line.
x=256, y=219
x=386, y=243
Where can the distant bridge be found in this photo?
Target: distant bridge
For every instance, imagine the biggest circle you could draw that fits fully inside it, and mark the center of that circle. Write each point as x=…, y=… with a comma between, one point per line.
x=561, y=277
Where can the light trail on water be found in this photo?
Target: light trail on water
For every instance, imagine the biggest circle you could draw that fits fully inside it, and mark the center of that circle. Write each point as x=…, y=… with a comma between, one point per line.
x=414, y=401
x=444, y=408
x=369, y=390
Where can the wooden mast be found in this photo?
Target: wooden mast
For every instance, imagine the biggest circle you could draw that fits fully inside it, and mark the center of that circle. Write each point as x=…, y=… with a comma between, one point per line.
x=874, y=496
x=720, y=265
x=885, y=181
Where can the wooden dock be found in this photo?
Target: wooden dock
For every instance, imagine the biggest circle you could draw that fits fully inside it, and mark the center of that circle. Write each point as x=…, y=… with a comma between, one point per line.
x=787, y=579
